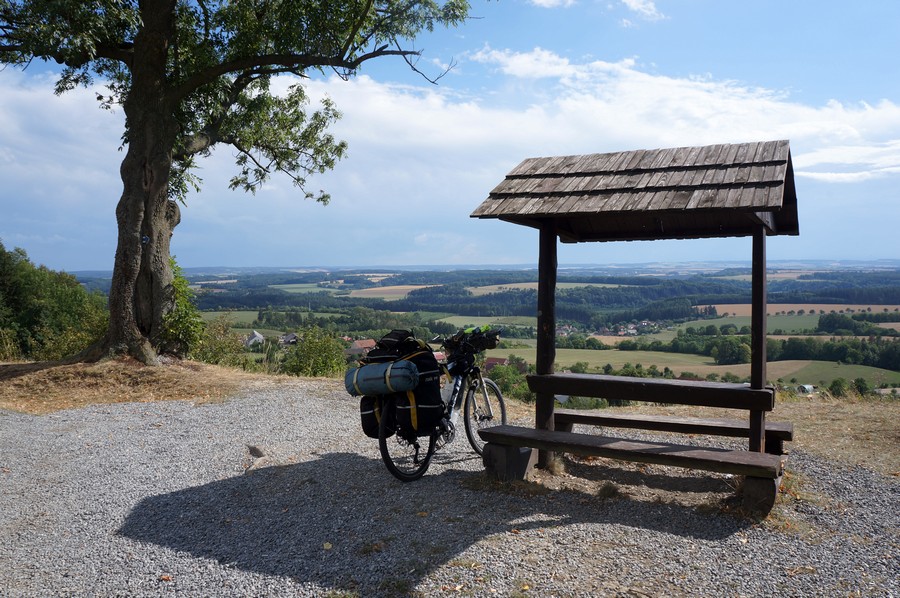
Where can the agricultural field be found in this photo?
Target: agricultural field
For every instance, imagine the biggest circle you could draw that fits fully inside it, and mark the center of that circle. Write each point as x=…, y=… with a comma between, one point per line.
x=464, y=321
x=303, y=287
x=518, y=286
x=789, y=324
x=239, y=318
x=743, y=309
x=390, y=293
x=805, y=371
x=777, y=275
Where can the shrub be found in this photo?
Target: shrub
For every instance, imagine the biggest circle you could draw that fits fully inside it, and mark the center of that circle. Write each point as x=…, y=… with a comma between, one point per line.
x=183, y=326
x=9, y=346
x=218, y=345
x=861, y=386
x=839, y=388
x=316, y=353
x=512, y=382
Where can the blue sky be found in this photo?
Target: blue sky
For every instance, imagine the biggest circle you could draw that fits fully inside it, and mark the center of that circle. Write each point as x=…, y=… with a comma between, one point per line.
x=531, y=78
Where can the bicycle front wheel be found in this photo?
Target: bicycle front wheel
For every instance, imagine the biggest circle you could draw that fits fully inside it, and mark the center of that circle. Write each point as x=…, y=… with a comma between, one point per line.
x=484, y=408
x=406, y=460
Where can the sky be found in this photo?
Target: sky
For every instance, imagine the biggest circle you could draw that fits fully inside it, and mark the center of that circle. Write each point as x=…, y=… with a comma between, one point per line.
x=529, y=78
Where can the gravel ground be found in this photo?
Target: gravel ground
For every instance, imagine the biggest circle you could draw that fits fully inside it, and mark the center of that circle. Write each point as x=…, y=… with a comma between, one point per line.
x=148, y=499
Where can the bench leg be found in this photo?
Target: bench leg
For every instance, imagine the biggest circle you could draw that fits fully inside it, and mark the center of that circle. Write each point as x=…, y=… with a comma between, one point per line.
x=508, y=462
x=563, y=426
x=775, y=446
x=759, y=494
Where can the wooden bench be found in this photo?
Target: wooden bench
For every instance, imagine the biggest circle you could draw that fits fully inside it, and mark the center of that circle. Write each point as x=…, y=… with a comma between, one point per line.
x=777, y=433
x=756, y=401
x=509, y=451
x=504, y=459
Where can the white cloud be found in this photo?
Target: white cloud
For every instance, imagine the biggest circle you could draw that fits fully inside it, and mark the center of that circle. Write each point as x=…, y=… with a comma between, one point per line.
x=553, y=3
x=537, y=64
x=646, y=9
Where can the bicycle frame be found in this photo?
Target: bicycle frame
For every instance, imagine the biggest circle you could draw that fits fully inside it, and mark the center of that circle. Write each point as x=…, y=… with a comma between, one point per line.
x=473, y=381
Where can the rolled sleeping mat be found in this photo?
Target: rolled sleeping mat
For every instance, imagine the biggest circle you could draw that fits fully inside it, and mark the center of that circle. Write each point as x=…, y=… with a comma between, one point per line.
x=382, y=378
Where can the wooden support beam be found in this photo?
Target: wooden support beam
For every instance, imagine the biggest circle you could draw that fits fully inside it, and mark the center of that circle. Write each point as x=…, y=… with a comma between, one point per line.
x=758, y=311
x=758, y=337
x=546, y=332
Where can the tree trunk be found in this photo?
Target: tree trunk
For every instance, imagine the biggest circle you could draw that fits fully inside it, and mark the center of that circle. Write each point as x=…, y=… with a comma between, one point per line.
x=141, y=292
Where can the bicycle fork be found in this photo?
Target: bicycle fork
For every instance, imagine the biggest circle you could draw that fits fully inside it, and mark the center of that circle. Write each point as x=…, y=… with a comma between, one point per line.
x=483, y=410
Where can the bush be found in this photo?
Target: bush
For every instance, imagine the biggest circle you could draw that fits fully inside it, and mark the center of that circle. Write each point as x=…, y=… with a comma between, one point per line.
x=512, y=382
x=316, y=354
x=183, y=326
x=218, y=345
x=9, y=346
x=861, y=386
x=839, y=388
x=585, y=403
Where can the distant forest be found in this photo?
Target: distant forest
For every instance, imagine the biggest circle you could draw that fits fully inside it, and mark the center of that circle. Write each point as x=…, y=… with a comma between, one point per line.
x=633, y=297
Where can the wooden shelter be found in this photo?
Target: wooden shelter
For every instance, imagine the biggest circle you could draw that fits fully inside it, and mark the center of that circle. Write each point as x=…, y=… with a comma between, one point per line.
x=729, y=190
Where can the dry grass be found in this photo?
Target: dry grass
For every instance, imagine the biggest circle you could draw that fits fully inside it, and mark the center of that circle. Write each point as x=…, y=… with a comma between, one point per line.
x=40, y=388
x=853, y=431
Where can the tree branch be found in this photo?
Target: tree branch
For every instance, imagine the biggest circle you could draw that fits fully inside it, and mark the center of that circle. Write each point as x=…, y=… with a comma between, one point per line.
x=289, y=62
x=355, y=31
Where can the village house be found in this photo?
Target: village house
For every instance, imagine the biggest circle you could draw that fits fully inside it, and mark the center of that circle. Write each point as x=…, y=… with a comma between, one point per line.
x=254, y=338
x=359, y=348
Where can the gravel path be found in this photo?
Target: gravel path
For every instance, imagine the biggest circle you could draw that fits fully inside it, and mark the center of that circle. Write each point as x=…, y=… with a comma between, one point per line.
x=149, y=499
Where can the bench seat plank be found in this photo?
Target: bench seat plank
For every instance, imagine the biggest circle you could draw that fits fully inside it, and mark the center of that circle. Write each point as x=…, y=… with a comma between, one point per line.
x=664, y=423
x=761, y=465
x=655, y=390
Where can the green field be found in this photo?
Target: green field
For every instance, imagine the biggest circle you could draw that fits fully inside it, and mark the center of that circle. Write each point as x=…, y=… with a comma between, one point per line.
x=819, y=372
x=789, y=324
x=805, y=371
x=307, y=287
x=463, y=321
x=518, y=286
x=597, y=359
x=245, y=317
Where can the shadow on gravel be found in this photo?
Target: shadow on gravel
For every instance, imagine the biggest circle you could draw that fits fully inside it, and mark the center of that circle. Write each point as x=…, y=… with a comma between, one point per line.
x=341, y=521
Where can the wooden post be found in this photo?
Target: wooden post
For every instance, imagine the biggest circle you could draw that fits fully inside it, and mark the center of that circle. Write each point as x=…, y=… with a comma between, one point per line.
x=758, y=336
x=546, y=332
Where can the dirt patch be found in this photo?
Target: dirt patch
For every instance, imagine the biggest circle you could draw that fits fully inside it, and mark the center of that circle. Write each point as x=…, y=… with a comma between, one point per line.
x=45, y=387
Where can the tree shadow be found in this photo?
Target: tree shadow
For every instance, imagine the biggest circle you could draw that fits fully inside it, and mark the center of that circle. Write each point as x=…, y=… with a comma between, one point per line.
x=341, y=521
x=11, y=371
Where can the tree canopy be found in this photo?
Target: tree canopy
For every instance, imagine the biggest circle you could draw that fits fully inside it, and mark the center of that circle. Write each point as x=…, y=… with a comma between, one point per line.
x=191, y=75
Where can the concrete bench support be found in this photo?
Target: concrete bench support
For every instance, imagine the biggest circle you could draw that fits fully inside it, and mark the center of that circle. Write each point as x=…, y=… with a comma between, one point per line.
x=508, y=456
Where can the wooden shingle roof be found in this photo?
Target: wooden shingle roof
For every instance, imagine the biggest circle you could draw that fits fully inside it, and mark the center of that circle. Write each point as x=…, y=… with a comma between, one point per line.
x=679, y=193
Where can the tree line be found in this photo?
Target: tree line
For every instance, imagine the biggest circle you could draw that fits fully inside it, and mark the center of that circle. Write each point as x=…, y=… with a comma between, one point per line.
x=45, y=315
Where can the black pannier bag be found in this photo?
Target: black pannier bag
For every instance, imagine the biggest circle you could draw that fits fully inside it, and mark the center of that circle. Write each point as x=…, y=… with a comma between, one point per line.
x=370, y=412
x=418, y=410
x=421, y=409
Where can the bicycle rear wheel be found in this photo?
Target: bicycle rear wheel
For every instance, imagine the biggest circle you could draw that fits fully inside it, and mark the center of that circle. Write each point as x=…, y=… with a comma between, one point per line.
x=484, y=408
x=406, y=460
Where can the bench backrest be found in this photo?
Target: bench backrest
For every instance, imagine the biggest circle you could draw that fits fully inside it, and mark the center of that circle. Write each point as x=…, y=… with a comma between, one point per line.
x=655, y=390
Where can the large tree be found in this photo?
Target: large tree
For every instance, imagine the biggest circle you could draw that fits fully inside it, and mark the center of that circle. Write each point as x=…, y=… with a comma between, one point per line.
x=191, y=75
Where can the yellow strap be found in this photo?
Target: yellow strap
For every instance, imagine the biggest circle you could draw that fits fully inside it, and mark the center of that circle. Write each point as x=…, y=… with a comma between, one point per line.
x=355, y=385
x=413, y=414
x=387, y=376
